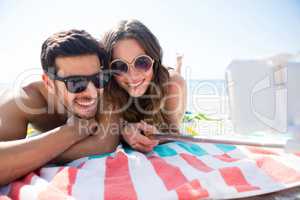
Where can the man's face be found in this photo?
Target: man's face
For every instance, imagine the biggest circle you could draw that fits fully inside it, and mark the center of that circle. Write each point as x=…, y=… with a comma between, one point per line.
x=83, y=104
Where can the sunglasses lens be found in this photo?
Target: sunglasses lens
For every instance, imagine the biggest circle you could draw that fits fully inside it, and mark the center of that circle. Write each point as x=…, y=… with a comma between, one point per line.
x=101, y=80
x=76, y=85
x=143, y=63
x=118, y=67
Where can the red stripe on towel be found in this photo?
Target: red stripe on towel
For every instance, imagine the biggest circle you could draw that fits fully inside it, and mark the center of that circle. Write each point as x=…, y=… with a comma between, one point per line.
x=234, y=177
x=278, y=171
x=16, y=186
x=196, y=163
x=72, y=172
x=174, y=179
x=65, y=179
x=117, y=182
x=69, y=174
x=226, y=158
x=191, y=190
x=170, y=175
x=61, y=185
x=260, y=150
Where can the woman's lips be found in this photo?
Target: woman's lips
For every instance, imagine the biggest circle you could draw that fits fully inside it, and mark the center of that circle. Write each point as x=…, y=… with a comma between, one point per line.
x=135, y=84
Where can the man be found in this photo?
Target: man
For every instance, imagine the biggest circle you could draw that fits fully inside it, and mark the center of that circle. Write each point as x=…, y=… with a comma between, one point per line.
x=74, y=66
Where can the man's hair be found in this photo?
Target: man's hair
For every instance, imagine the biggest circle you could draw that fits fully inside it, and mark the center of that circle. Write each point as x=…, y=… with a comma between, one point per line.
x=70, y=43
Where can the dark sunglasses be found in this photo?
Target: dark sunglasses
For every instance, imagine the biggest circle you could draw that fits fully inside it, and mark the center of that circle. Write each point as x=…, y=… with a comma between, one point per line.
x=141, y=63
x=77, y=84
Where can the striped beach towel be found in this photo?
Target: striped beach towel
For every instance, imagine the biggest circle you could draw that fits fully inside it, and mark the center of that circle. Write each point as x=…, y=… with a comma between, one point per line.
x=175, y=170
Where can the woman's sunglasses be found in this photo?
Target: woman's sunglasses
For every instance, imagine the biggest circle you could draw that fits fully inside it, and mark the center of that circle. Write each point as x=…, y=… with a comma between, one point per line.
x=77, y=84
x=141, y=63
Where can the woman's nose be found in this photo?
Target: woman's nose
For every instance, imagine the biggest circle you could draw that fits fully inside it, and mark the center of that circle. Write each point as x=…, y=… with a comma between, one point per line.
x=132, y=71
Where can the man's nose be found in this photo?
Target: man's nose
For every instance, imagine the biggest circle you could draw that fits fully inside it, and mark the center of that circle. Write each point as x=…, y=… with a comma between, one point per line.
x=91, y=90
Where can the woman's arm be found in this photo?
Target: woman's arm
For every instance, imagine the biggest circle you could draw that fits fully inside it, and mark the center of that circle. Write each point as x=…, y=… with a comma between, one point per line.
x=179, y=58
x=174, y=109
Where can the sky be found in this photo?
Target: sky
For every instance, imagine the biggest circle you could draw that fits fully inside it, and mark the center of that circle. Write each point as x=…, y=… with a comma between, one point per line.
x=210, y=33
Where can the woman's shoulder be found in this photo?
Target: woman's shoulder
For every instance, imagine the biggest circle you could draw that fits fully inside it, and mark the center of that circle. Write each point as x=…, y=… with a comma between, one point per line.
x=176, y=83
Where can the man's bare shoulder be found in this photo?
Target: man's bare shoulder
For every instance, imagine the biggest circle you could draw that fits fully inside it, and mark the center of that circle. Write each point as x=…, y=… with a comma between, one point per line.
x=26, y=103
x=41, y=109
x=17, y=106
x=34, y=94
x=28, y=96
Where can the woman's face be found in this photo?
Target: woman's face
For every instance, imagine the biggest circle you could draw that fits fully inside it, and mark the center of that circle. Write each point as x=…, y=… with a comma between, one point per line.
x=135, y=82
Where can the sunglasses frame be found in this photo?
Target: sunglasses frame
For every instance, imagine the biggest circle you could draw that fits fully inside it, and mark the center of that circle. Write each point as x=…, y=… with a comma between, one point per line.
x=131, y=64
x=88, y=78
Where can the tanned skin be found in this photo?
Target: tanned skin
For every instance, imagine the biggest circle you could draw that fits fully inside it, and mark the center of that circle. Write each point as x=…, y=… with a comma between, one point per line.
x=62, y=139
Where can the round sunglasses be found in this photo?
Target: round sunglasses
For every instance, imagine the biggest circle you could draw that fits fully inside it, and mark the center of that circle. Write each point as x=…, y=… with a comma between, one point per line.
x=77, y=84
x=141, y=63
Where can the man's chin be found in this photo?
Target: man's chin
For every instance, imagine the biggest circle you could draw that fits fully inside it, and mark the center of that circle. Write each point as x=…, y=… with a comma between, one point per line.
x=88, y=116
x=85, y=115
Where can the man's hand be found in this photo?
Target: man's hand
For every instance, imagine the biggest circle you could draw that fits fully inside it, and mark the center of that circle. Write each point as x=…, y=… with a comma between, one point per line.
x=81, y=128
x=135, y=135
x=103, y=138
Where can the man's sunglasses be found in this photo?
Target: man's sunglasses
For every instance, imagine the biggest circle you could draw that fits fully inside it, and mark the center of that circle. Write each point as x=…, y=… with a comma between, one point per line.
x=77, y=84
x=141, y=63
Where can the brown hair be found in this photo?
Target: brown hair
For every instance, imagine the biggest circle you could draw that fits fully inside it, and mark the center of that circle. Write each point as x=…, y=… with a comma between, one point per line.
x=148, y=109
x=70, y=43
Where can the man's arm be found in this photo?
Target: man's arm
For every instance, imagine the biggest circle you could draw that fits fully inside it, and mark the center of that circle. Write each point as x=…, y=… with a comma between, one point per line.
x=19, y=156
x=13, y=121
x=105, y=140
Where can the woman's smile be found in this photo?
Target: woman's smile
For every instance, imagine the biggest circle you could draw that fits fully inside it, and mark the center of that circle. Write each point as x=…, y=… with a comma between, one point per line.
x=135, y=84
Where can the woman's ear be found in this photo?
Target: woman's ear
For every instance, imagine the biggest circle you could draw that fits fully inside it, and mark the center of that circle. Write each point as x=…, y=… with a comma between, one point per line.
x=48, y=83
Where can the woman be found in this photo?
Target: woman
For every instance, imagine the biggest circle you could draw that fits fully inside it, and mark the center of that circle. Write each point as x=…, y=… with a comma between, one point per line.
x=150, y=98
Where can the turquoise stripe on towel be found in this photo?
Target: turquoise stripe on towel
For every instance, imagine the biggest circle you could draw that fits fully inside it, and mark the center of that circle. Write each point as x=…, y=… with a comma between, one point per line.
x=100, y=156
x=163, y=150
x=225, y=147
x=192, y=148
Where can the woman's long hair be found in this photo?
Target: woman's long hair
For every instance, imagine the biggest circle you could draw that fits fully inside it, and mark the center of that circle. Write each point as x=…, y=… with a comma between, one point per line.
x=135, y=109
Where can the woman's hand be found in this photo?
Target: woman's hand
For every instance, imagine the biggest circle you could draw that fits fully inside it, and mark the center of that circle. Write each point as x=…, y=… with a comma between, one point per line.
x=133, y=135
